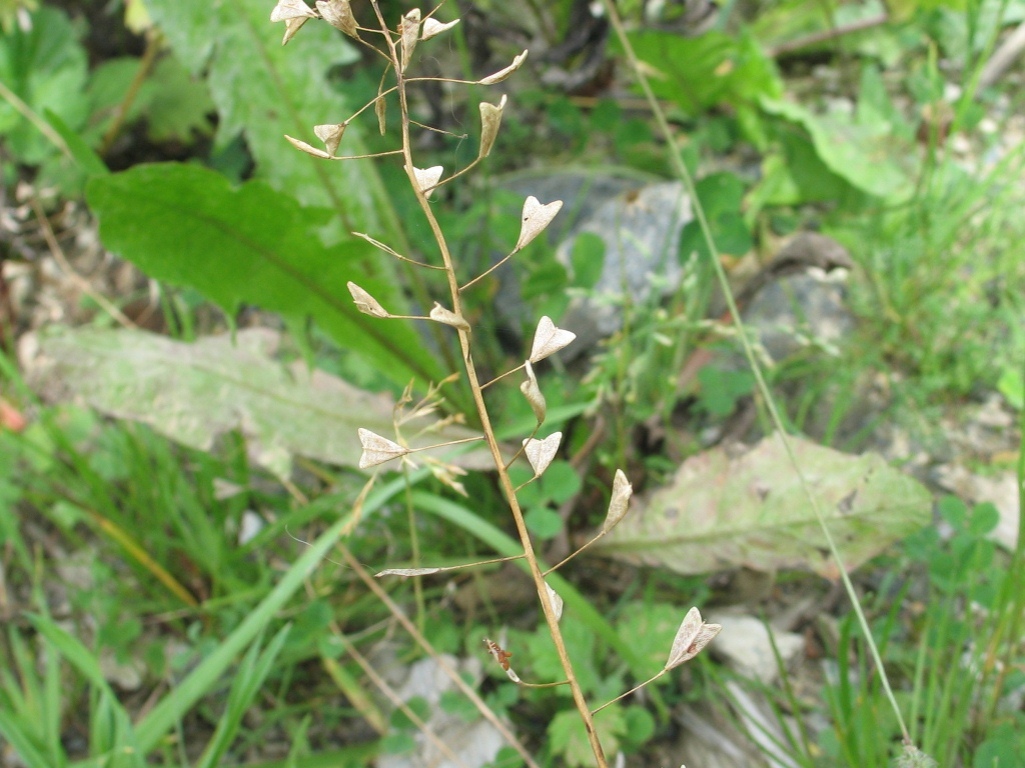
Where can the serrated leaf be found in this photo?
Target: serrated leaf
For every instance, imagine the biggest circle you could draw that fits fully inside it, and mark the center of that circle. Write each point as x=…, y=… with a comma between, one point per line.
x=724, y=511
x=195, y=393
x=251, y=245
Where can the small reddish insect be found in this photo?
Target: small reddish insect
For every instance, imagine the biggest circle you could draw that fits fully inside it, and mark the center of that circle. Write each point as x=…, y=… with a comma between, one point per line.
x=501, y=655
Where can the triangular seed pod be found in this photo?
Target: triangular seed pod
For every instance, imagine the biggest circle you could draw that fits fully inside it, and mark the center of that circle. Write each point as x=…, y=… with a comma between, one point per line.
x=536, y=217
x=448, y=317
x=427, y=178
x=619, y=503
x=291, y=27
x=338, y=13
x=433, y=27
x=691, y=637
x=532, y=392
x=366, y=303
x=548, y=339
x=540, y=453
x=409, y=33
x=331, y=135
x=502, y=74
x=292, y=9
x=377, y=449
x=490, y=120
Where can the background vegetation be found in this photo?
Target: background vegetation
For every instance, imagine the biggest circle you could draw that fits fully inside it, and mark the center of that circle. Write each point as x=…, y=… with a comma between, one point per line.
x=183, y=543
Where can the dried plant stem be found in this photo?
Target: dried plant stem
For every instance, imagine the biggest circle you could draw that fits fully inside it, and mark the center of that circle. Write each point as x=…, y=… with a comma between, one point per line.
x=752, y=360
x=627, y=693
x=422, y=641
x=484, y=416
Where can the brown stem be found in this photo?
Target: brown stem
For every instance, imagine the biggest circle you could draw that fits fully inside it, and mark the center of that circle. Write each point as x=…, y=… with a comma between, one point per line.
x=485, y=419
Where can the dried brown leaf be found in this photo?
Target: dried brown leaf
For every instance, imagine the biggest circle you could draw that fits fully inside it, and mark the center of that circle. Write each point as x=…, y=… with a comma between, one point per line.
x=291, y=27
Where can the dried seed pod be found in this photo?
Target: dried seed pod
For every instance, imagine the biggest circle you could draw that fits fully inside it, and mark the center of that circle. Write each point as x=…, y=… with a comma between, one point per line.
x=535, y=218
x=427, y=178
x=338, y=13
x=548, y=339
x=490, y=120
x=377, y=449
x=366, y=303
x=619, y=503
x=502, y=74
x=331, y=135
x=291, y=27
x=540, y=453
x=448, y=317
x=556, y=601
x=532, y=392
x=691, y=637
x=309, y=149
x=432, y=27
x=292, y=9
x=409, y=33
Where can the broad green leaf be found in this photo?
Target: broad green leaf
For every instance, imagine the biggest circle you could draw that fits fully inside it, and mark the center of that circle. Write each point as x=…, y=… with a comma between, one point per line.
x=46, y=68
x=725, y=511
x=186, y=225
x=194, y=393
x=702, y=72
x=265, y=90
x=861, y=154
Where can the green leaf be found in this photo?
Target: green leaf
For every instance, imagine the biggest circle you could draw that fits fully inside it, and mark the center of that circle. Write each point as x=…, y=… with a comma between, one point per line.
x=543, y=522
x=187, y=226
x=219, y=384
x=46, y=68
x=863, y=155
x=702, y=72
x=265, y=90
x=568, y=738
x=723, y=511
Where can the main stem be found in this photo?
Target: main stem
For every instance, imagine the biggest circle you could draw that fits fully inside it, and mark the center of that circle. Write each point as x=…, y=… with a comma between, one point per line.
x=485, y=420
